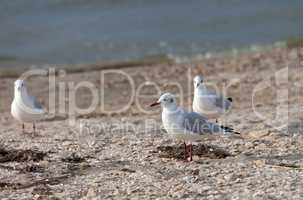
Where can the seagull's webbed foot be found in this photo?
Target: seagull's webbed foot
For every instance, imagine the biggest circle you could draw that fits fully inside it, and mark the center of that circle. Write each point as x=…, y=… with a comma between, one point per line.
x=34, y=128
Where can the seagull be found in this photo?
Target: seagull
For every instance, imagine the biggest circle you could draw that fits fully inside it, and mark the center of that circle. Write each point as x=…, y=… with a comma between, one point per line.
x=25, y=108
x=187, y=126
x=207, y=102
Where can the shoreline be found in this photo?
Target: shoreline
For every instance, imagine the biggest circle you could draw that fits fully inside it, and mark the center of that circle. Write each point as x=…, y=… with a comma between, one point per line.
x=14, y=70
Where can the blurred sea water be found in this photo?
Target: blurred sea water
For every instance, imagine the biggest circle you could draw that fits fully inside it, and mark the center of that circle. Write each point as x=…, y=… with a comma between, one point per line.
x=86, y=31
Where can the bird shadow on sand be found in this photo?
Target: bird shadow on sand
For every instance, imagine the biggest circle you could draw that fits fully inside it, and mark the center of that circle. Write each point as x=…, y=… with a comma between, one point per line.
x=27, y=162
x=20, y=155
x=201, y=150
x=54, y=118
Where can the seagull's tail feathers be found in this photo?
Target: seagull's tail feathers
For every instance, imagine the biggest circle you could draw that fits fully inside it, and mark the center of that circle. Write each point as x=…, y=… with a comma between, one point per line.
x=229, y=130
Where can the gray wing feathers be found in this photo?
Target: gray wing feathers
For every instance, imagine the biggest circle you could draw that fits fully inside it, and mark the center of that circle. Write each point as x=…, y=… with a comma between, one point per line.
x=35, y=103
x=196, y=123
x=219, y=100
x=222, y=102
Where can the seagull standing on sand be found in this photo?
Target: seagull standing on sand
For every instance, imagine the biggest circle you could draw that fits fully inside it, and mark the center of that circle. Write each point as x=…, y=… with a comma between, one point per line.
x=187, y=126
x=207, y=102
x=25, y=108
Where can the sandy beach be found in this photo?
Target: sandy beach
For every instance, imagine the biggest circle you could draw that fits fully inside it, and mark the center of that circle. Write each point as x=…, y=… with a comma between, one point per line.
x=62, y=162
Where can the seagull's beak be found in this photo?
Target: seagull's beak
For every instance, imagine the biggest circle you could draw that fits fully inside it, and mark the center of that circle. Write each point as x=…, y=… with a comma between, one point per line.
x=198, y=84
x=155, y=104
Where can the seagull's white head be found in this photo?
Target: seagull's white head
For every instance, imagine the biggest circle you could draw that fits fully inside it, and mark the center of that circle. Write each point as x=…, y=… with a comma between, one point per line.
x=198, y=80
x=166, y=100
x=19, y=85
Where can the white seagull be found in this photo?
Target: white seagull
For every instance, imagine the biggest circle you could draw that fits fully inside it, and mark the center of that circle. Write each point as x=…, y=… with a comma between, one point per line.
x=25, y=108
x=207, y=102
x=187, y=126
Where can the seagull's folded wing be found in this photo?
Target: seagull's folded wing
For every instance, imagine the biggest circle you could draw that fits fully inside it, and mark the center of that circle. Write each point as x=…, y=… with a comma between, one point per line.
x=222, y=102
x=196, y=123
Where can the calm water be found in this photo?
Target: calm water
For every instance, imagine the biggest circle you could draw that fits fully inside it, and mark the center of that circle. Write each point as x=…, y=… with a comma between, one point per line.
x=74, y=31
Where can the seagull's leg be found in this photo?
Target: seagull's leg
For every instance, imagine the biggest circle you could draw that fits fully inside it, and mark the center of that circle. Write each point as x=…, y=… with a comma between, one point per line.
x=190, y=152
x=23, y=127
x=185, y=152
x=34, y=128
